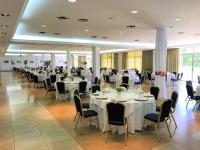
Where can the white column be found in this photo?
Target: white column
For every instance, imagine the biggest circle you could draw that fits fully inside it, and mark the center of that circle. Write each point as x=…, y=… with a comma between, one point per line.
x=154, y=61
x=120, y=60
x=72, y=60
x=69, y=63
x=96, y=60
x=53, y=62
x=160, y=60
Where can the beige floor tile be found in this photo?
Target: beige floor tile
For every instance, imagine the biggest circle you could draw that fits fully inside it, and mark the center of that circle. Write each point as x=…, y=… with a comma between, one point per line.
x=7, y=146
x=169, y=146
x=30, y=143
x=196, y=136
x=66, y=145
x=25, y=132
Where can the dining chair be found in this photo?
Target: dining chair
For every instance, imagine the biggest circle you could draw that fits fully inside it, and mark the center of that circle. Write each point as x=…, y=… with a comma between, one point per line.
x=83, y=88
x=53, y=78
x=191, y=96
x=48, y=88
x=174, y=98
x=95, y=88
x=37, y=83
x=125, y=81
x=154, y=91
x=163, y=116
x=83, y=114
x=96, y=80
x=85, y=105
x=116, y=116
x=61, y=88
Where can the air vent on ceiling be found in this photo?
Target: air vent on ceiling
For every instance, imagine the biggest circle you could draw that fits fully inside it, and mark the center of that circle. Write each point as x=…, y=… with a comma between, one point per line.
x=94, y=36
x=42, y=32
x=83, y=20
x=62, y=18
x=56, y=33
x=131, y=26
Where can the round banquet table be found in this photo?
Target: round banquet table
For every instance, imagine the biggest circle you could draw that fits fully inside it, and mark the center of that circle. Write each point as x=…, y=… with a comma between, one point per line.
x=135, y=109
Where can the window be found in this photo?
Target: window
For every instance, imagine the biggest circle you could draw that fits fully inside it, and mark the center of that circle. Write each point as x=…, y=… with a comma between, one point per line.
x=134, y=60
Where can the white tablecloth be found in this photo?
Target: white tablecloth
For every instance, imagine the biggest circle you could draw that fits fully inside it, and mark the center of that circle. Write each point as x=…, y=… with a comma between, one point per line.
x=135, y=110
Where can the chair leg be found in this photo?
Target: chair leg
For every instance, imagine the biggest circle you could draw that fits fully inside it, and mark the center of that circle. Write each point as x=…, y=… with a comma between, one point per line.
x=157, y=133
x=195, y=105
x=173, y=119
x=168, y=129
x=75, y=117
x=143, y=126
x=126, y=135
x=188, y=102
x=97, y=123
x=107, y=134
x=77, y=122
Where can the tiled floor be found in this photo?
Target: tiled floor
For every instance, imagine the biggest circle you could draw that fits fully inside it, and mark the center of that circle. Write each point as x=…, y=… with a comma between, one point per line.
x=30, y=120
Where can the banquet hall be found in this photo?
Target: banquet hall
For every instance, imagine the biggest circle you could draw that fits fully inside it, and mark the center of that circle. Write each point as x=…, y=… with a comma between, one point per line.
x=99, y=75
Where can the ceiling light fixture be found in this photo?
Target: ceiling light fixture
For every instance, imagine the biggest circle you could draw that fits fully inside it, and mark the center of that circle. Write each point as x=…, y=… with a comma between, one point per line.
x=43, y=26
x=110, y=18
x=86, y=30
x=3, y=32
x=5, y=14
x=197, y=34
x=4, y=26
x=104, y=37
x=178, y=19
x=72, y=1
x=134, y=11
x=171, y=27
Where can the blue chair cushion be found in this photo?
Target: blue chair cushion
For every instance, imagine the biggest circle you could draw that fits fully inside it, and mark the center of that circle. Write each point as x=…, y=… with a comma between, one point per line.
x=152, y=117
x=85, y=105
x=89, y=113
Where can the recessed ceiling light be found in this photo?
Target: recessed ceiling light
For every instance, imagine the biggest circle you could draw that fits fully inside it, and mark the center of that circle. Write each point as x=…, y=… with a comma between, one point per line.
x=121, y=33
x=43, y=26
x=4, y=26
x=197, y=34
x=5, y=14
x=86, y=30
x=134, y=11
x=104, y=37
x=110, y=18
x=178, y=19
x=83, y=20
x=171, y=27
x=181, y=32
x=72, y=1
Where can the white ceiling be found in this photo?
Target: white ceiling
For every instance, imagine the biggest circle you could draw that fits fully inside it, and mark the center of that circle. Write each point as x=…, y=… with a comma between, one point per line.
x=152, y=14
x=15, y=9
